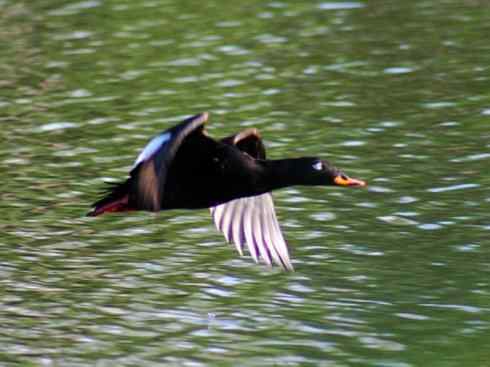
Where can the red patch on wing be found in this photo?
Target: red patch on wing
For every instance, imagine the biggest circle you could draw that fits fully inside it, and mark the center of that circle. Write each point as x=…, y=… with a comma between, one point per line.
x=120, y=205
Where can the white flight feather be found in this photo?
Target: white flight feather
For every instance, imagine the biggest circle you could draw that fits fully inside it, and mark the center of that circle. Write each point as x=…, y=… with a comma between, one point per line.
x=253, y=220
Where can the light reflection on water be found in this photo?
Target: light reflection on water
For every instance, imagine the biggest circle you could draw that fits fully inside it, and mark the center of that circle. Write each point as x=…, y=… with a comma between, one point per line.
x=383, y=274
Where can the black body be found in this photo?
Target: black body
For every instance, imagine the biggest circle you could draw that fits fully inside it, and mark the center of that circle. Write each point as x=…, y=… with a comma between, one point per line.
x=184, y=168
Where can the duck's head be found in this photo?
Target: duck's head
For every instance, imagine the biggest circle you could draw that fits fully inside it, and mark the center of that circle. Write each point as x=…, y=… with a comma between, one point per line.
x=320, y=172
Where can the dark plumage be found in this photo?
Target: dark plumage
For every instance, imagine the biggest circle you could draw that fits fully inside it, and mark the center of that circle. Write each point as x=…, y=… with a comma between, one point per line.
x=185, y=168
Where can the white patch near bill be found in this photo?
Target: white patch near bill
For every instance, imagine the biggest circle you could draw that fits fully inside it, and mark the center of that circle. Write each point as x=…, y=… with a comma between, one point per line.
x=318, y=166
x=156, y=143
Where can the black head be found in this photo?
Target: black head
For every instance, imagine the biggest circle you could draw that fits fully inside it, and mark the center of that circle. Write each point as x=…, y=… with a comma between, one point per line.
x=314, y=171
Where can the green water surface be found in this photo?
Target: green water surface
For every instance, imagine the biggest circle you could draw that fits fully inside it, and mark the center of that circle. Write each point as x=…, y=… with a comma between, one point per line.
x=393, y=92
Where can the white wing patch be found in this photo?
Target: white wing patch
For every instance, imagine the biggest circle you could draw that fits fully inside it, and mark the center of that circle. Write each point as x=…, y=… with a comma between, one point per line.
x=252, y=221
x=152, y=147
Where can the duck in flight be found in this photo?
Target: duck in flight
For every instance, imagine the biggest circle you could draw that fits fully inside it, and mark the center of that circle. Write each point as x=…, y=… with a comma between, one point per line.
x=184, y=168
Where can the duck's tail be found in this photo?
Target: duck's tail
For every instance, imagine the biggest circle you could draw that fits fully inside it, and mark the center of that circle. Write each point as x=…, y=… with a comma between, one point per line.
x=116, y=199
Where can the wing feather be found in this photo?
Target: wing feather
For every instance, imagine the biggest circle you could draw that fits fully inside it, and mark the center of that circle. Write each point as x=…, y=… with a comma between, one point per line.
x=260, y=228
x=277, y=239
x=252, y=221
x=267, y=228
x=150, y=168
x=248, y=225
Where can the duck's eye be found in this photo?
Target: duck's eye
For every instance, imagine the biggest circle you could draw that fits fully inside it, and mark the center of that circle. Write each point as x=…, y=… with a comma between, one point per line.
x=318, y=166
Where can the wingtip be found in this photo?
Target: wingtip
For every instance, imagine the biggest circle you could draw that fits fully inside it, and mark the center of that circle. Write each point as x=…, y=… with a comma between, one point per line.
x=202, y=117
x=246, y=133
x=92, y=213
x=199, y=119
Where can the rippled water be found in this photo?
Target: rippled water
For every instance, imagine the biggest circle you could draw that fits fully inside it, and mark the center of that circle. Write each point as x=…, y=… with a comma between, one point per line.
x=392, y=92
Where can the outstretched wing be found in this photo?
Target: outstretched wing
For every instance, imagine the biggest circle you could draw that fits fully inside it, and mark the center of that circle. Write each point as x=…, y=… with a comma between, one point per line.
x=248, y=141
x=252, y=221
x=149, y=172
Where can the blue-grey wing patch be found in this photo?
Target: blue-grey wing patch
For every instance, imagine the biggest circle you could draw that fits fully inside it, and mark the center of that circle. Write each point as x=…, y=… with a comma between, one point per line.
x=152, y=147
x=152, y=164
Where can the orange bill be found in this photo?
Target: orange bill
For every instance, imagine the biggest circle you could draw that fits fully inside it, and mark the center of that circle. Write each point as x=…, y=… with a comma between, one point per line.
x=343, y=180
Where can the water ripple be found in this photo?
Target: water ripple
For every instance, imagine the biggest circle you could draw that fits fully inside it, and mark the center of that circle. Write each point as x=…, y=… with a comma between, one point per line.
x=75, y=8
x=373, y=268
x=56, y=126
x=397, y=220
x=398, y=70
x=340, y=6
x=454, y=187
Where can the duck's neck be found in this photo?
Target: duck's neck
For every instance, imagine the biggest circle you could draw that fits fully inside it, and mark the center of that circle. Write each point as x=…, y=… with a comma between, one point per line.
x=282, y=173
